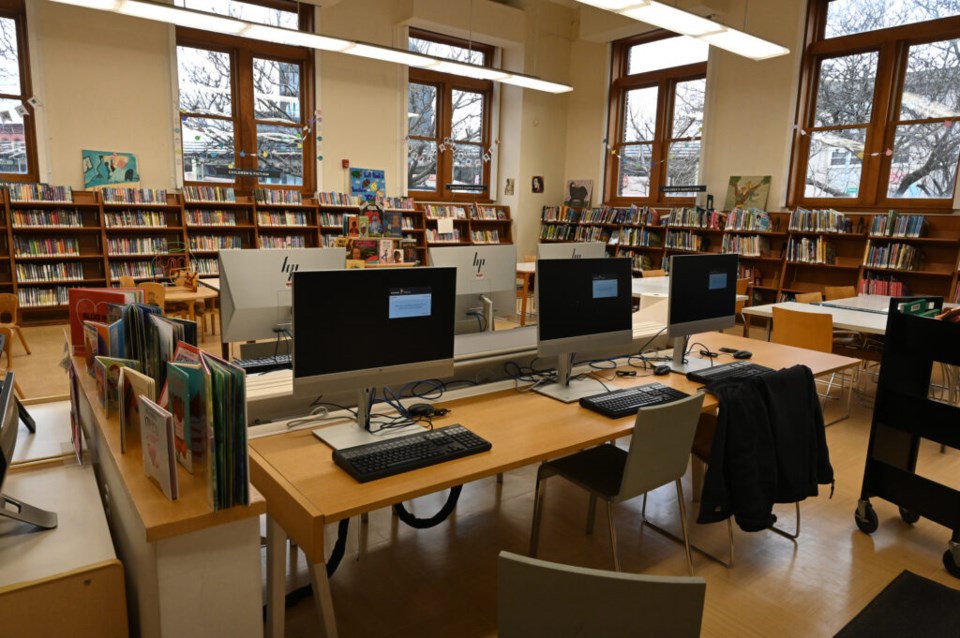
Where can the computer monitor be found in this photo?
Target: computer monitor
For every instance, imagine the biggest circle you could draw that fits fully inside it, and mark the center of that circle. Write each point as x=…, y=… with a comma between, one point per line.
x=9, y=422
x=582, y=304
x=486, y=283
x=359, y=329
x=572, y=250
x=255, y=287
x=703, y=296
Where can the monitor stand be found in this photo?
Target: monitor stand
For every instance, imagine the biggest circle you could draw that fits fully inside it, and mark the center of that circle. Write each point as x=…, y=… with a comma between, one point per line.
x=677, y=363
x=20, y=511
x=356, y=433
x=566, y=389
x=487, y=313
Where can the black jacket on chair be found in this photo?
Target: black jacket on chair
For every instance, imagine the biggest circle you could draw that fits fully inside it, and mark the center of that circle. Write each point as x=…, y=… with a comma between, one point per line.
x=769, y=447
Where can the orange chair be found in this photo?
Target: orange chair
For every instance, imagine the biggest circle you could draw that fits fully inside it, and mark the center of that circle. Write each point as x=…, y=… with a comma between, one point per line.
x=653, y=273
x=808, y=297
x=6, y=337
x=9, y=316
x=839, y=292
x=153, y=293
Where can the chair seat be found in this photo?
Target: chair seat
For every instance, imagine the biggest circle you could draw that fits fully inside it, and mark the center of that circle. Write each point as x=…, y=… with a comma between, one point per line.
x=597, y=469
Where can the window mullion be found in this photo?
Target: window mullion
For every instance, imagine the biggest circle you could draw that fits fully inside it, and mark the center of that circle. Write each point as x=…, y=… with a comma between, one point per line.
x=444, y=131
x=243, y=116
x=880, y=129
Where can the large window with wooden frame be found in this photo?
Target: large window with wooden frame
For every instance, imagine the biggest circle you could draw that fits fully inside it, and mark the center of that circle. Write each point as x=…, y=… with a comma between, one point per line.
x=18, y=140
x=448, y=123
x=879, y=106
x=656, y=119
x=246, y=107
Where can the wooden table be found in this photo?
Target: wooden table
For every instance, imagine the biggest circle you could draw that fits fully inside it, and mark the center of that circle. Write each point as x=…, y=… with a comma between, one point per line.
x=182, y=294
x=526, y=270
x=305, y=490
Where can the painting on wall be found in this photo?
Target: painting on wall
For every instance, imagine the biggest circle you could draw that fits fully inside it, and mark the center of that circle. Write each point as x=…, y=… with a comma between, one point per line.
x=368, y=183
x=579, y=192
x=747, y=192
x=109, y=169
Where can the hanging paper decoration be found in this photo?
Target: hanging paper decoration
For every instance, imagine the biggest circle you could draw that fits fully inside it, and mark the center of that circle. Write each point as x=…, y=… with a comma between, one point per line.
x=888, y=152
x=243, y=153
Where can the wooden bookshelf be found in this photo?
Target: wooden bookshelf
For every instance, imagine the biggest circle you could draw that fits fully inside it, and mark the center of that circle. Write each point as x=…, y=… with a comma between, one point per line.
x=472, y=224
x=759, y=239
x=287, y=225
x=6, y=254
x=143, y=239
x=212, y=224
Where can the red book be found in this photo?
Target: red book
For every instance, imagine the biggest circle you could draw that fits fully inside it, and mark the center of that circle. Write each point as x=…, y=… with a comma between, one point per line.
x=93, y=304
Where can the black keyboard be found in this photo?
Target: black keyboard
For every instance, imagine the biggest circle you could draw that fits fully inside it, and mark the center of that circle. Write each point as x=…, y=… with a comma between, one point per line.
x=620, y=403
x=735, y=370
x=379, y=459
x=264, y=364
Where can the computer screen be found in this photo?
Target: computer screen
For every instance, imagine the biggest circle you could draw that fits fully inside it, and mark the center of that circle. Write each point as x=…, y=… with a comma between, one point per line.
x=256, y=285
x=486, y=282
x=359, y=329
x=572, y=250
x=703, y=296
x=582, y=304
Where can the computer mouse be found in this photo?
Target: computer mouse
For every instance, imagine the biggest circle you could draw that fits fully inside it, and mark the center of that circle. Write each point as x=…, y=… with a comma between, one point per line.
x=661, y=369
x=742, y=354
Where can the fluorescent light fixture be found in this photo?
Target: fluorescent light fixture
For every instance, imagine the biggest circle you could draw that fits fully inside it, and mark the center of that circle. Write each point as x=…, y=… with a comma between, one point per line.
x=672, y=19
x=615, y=5
x=231, y=26
x=745, y=44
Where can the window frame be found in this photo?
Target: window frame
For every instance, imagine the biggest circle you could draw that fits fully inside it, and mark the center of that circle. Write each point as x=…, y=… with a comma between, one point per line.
x=622, y=83
x=16, y=10
x=446, y=84
x=242, y=51
x=892, y=45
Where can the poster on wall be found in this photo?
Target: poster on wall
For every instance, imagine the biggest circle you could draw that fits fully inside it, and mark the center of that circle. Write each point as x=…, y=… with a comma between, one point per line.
x=578, y=193
x=747, y=192
x=109, y=169
x=368, y=183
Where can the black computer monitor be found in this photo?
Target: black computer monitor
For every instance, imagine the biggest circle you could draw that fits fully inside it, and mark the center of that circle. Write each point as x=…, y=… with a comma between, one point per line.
x=703, y=296
x=582, y=304
x=360, y=329
x=9, y=422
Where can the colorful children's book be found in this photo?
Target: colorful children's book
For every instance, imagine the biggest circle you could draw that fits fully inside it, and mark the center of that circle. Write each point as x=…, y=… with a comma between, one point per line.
x=90, y=339
x=228, y=455
x=392, y=223
x=362, y=224
x=156, y=443
x=184, y=352
x=93, y=304
x=351, y=226
x=107, y=374
x=186, y=383
x=374, y=222
x=133, y=385
x=367, y=250
x=387, y=254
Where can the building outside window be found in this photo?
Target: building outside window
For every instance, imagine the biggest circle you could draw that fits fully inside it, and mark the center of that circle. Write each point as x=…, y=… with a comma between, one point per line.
x=18, y=141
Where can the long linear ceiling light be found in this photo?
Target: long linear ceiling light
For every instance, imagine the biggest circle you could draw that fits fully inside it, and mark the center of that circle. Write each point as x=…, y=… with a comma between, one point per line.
x=686, y=23
x=241, y=28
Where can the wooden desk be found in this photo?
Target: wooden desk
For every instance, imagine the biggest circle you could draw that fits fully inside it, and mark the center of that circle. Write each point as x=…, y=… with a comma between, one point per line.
x=65, y=581
x=305, y=490
x=526, y=270
x=181, y=294
x=190, y=570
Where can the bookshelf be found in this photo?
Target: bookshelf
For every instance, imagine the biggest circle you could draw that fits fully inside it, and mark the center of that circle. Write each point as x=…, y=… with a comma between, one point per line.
x=490, y=224
x=641, y=238
x=287, y=225
x=140, y=234
x=469, y=224
x=6, y=255
x=759, y=238
x=559, y=223
x=214, y=218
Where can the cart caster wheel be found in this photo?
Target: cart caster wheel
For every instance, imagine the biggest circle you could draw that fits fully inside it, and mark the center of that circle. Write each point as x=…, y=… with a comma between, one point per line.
x=869, y=523
x=908, y=516
x=948, y=561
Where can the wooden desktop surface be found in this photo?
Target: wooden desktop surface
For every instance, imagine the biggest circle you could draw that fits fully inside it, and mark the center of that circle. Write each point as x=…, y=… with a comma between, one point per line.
x=305, y=490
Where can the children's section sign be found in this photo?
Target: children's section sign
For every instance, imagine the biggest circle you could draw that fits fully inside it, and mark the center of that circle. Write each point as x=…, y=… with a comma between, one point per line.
x=368, y=183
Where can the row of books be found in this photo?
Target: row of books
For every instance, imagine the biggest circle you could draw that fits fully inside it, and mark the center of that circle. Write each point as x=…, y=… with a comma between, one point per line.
x=641, y=215
x=63, y=217
x=819, y=221
x=284, y=218
x=137, y=245
x=561, y=232
x=205, y=265
x=200, y=217
x=39, y=193
x=329, y=240
x=445, y=211
x=215, y=242
x=749, y=219
x=135, y=218
x=363, y=252
x=283, y=241
x=746, y=245
x=489, y=212
x=439, y=238
x=593, y=233
x=331, y=219
x=401, y=203
x=38, y=297
x=685, y=240
x=600, y=215
x=893, y=255
x=485, y=236
x=751, y=273
x=140, y=269
x=372, y=223
x=343, y=199
x=39, y=247
x=636, y=236
x=895, y=225
x=642, y=262
x=113, y=195
x=209, y=194
x=48, y=272
x=882, y=285
x=277, y=196
x=811, y=250
x=696, y=218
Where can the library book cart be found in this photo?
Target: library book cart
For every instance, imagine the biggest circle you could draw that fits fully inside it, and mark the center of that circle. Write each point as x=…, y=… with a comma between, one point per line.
x=904, y=414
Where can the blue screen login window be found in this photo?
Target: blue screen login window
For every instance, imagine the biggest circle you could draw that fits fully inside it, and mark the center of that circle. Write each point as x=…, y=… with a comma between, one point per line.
x=409, y=302
x=604, y=288
x=717, y=281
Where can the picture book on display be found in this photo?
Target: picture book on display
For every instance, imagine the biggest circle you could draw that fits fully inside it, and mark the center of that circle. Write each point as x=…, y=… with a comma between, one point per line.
x=107, y=374
x=392, y=223
x=188, y=386
x=374, y=223
x=156, y=443
x=389, y=253
x=133, y=386
x=93, y=304
x=351, y=227
x=228, y=467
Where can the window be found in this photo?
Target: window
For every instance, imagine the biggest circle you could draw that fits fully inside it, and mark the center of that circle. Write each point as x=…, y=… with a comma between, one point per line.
x=18, y=142
x=656, y=118
x=245, y=105
x=878, y=106
x=448, y=123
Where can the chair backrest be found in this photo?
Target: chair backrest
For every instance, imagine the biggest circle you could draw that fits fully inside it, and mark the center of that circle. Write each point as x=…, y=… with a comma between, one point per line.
x=154, y=293
x=127, y=281
x=653, y=273
x=660, y=446
x=6, y=343
x=810, y=330
x=541, y=598
x=742, y=285
x=808, y=297
x=839, y=292
x=8, y=307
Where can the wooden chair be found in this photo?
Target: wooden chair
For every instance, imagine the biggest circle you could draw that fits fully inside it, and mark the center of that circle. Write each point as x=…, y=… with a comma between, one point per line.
x=9, y=317
x=743, y=284
x=653, y=273
x=540, y=598
x=808, y=297
x=6, y=342
x=658, y=455
x=153, y=293
x=126, y=281
x=839, y=292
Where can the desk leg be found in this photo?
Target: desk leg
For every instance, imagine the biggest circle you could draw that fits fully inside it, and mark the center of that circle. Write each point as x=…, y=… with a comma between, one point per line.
x=276, y=578
x=192, y=309
x=523, y=299
x=323, y=599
